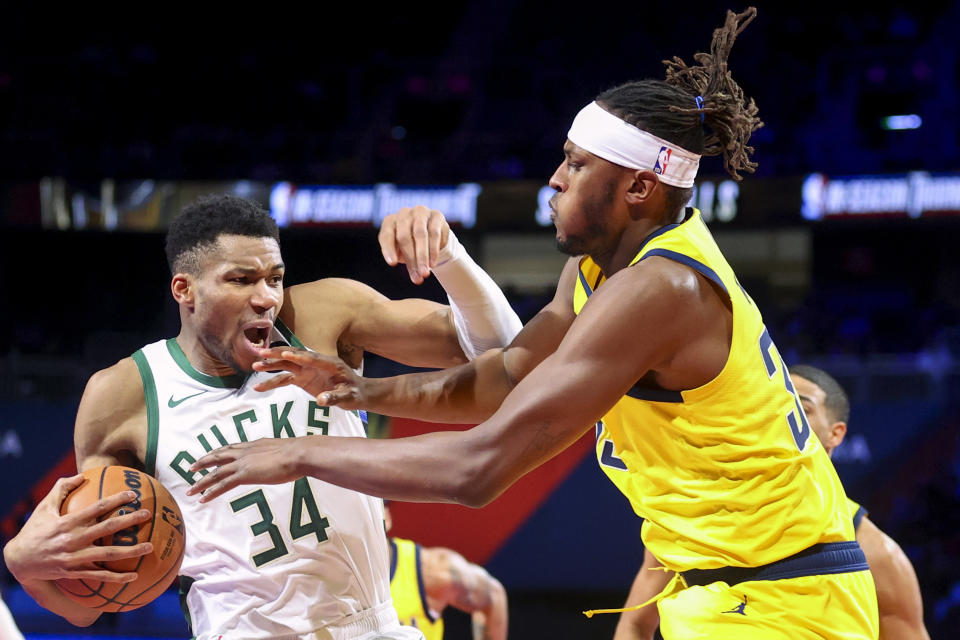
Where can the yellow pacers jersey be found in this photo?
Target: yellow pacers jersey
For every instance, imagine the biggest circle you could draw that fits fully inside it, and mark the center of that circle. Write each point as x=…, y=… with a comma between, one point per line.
x=406, y=588
x=729, y=473
x=857, y=513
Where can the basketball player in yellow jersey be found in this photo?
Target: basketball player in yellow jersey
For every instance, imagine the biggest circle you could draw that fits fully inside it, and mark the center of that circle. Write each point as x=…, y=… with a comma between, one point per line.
x=424, y=580
x=898, y=593
x=651, y=335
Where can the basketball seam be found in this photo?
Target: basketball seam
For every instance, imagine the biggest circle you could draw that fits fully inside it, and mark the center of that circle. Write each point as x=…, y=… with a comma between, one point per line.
x=112, y=603
x=153, y=520
x=94, y=592
x=175, y=566
x=165, y=577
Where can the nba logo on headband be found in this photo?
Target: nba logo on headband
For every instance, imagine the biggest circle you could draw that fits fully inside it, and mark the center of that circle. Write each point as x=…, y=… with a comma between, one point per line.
x=615, y=140
x=660, y=166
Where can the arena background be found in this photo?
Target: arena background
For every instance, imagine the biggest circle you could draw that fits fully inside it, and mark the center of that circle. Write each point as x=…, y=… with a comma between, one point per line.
x=846, y=237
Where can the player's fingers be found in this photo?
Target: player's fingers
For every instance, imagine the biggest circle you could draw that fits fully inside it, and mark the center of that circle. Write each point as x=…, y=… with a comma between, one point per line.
x=275, y=382
x=94, y=554
x=435, y=230
x=101, y=507
x=313, y=360
x=225, y=467
x=100, y=575
x=421, y=241
x=387, y=237
x=218, y=458
x=275, y=364
x=343, y=397
x=61, y=489
x=414, y=273
x=404, y=240
x=118, y=523
x=272, y=352
x=218, y=488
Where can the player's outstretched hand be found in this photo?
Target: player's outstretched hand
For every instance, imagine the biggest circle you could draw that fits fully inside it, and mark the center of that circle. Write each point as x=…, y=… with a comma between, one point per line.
x=264, y=461
x=329, y=379
x=414, y=236
x=52, y=546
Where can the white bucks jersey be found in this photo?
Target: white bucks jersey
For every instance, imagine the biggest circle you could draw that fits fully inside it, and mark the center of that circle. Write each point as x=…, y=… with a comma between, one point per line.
x=297, y=560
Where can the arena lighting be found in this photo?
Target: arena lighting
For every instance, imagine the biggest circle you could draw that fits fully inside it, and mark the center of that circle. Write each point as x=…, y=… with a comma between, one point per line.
x=913, y=194
x=298, y=205
x=899, y=123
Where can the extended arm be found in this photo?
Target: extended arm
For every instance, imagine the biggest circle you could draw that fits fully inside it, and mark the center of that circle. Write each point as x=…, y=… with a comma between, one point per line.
x=449, y=579
x=469, y=393
x=413, y=331
x=422, y=239
x=640, y=624
x=51, y=546
x=629, y=327
x=898, y=591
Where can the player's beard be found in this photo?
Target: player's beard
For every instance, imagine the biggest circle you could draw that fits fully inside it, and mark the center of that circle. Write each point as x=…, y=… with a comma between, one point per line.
x=223, y=353
x=595, y=214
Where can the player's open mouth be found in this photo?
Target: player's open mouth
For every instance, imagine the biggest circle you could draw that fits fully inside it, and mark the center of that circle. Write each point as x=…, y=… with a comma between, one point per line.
x=257, y=333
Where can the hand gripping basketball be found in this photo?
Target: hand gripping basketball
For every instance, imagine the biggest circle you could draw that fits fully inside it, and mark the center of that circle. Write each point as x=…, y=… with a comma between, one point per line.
x=164, y=530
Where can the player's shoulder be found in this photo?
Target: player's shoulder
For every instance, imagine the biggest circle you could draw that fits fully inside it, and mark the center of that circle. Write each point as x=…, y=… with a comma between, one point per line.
x=319, y=311
x=330, y=293
x=115, y=390
x=329, y=287
x=898, y=590
x=119, y=380
x=664, y=273
x=112, y=409
x=881, y=550
x=567, y=280
x=656, y=281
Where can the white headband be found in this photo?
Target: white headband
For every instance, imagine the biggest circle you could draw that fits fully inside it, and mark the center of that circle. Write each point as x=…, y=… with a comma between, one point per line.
x=607, y=136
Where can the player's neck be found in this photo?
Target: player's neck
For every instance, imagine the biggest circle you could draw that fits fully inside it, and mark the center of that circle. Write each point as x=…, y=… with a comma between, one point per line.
x=200, y=358
x=625, y=250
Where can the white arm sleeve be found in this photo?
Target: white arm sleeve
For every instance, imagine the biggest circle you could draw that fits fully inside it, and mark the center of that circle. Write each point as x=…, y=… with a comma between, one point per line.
x=481, y=313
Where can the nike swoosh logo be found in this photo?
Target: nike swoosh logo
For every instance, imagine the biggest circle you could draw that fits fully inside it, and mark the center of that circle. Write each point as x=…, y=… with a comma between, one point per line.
x=173, y=403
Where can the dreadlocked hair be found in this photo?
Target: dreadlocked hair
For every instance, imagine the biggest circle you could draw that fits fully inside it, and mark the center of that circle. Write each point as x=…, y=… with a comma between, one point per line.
x=721, y=123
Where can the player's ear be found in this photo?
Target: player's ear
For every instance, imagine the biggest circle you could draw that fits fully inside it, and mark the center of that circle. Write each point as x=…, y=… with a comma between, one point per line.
x=837, y=431
x=182, y=288
x=643, y=185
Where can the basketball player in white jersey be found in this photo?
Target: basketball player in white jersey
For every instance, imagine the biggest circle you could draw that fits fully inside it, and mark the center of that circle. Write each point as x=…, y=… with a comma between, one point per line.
x=305, y=560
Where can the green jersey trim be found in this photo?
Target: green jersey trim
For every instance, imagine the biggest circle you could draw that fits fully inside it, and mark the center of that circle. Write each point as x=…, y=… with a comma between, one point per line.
x=288, y=335
x=221, y=382
x=291, y=337
x=153, y=411
x=185, y=582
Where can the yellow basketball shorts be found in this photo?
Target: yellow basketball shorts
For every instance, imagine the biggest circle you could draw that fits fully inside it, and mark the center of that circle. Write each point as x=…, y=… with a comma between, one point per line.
x=835, y=606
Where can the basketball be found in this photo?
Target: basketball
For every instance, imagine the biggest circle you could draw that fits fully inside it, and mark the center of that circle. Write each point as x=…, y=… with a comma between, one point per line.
x=157, y=569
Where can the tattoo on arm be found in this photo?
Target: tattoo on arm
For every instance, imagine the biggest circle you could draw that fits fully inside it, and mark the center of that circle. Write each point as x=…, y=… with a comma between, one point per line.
x=542, y=442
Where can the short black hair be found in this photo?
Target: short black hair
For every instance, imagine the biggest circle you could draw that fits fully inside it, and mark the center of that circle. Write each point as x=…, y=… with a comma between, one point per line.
x=837, y=402
x=201, y=223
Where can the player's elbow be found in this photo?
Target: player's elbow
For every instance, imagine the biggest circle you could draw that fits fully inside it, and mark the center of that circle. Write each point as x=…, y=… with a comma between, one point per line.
x=498, y=595
x=477, y=494
x=480, y=480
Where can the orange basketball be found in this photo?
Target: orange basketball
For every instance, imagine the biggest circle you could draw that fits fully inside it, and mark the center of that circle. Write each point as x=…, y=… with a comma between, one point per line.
x=157, y=569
